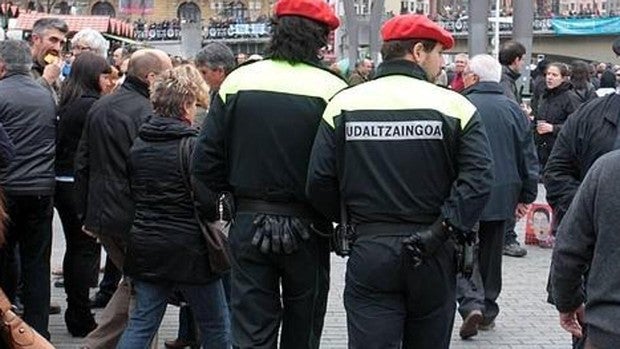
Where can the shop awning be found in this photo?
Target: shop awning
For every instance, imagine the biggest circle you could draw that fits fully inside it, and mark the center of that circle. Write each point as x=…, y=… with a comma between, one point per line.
x=76, y=23
x=125, y=40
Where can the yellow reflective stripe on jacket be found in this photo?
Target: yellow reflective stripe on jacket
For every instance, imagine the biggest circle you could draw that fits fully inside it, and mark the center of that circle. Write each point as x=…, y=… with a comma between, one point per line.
x=279, y=76
x=398, y=92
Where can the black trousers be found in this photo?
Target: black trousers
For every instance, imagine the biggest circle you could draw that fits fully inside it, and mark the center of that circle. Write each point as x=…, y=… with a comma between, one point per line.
x=391, y=304
x=111, y=277
x=82, y=255
x=510, y=236
x=481, y=291
x=257, y=305
x=29, y=230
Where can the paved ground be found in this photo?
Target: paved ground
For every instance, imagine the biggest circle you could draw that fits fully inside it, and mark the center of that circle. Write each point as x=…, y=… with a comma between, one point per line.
x=525, y=321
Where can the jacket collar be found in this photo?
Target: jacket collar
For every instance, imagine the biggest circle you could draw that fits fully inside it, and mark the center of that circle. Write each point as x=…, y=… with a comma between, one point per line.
x=514, y=75
x=401, y=67
x=563, y=87
x=611, y=108
x=134, y=84
x=489, y=87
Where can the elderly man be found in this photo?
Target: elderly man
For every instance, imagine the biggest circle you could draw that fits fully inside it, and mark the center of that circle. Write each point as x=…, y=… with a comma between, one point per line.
x=28, y=115
x=456, y=77
x=361, y=73
x=514, y=186
x=48, y=37
x=102, y=177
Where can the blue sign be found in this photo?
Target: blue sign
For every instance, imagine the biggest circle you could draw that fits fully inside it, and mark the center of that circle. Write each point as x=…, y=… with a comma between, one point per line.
x=586, y=26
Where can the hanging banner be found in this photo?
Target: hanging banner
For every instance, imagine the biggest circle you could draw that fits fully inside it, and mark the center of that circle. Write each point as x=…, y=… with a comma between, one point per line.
x=586, y=26
x=136, y=7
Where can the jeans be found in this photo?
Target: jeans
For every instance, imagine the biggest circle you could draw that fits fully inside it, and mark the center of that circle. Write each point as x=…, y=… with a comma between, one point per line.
x=187, y=327
x=207, y=302
x=30, y=230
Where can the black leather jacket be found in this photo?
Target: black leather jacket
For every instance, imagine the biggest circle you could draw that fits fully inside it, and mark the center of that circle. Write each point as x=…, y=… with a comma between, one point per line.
x=28, y=114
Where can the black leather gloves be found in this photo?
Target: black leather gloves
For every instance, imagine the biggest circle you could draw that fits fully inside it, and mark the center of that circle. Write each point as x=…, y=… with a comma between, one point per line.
x=423, y=244
x=279, y=234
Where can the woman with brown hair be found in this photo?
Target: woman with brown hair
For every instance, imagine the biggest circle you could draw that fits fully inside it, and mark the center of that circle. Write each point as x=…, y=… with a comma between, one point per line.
x=557, y=103
x=166, y=250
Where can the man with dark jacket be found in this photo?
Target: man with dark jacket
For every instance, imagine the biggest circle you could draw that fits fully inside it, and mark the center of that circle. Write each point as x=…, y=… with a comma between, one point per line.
x=102, y=178
x=588, y=240
x=256, y=143
x=515, y=186
x=48, y=38
x=28, y=114
x=511, y=58
x=590, y=132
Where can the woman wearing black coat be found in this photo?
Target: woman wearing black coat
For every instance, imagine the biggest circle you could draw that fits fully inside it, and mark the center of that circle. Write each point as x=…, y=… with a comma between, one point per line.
x=166, y=250
x=89, y=77
x=557, y=103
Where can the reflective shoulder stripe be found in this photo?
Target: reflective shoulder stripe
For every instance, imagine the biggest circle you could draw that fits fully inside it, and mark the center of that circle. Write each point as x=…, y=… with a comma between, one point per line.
x=279, y=76
x=400, y=93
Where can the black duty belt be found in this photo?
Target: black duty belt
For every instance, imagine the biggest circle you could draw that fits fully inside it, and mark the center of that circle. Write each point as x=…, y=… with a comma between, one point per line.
x=294, y=209
x=388, y=229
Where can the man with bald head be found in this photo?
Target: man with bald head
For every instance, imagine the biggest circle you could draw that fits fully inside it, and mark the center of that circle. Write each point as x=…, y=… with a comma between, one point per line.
x=102, y=181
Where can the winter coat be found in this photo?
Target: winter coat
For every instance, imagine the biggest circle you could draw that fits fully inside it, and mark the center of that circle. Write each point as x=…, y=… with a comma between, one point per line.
x=71, y=119
x=555, y=106
x=28, y=114
x=165, y=241
x=101, y=161
x=589, y=133
x=515, y=164
x=509, y=84
x=587, y=242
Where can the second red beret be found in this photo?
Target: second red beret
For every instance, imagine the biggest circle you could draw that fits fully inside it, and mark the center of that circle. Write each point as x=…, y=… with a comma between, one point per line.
x=406, y=27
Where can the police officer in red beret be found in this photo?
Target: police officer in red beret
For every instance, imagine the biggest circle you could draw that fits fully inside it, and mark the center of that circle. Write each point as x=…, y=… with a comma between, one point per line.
x=256, y=144
x=412, y=164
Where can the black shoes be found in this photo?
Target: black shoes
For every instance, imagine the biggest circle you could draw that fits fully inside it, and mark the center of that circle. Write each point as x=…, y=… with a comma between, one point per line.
x=79, y=323
x=469, y=328
x=100, y=301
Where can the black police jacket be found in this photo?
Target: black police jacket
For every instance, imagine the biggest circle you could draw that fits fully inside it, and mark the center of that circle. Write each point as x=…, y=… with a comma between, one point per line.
x=401, y=150
x=259, y=132
x=101, y=161
x=589, y=133
x=165, y=241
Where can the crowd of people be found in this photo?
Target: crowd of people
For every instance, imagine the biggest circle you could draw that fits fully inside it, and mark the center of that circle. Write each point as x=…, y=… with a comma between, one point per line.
x=215, y=182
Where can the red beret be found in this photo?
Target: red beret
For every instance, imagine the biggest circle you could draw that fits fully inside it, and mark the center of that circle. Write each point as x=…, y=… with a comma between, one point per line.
x=406, y=27
x=317, y=10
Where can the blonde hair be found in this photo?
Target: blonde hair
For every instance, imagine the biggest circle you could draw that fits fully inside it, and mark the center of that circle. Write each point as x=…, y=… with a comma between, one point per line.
x=177, y=87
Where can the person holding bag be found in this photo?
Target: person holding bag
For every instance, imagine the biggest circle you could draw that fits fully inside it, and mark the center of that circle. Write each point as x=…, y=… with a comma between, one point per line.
x=167, y=250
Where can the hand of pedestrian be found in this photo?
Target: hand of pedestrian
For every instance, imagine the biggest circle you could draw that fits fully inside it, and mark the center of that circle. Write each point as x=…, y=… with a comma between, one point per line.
x=572, y=322
x=521, y=210
x=527, y=110
x=51, y=72
x=544, y=127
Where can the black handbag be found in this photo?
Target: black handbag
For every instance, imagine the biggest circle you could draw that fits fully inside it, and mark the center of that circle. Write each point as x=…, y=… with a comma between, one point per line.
x=214, y=233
